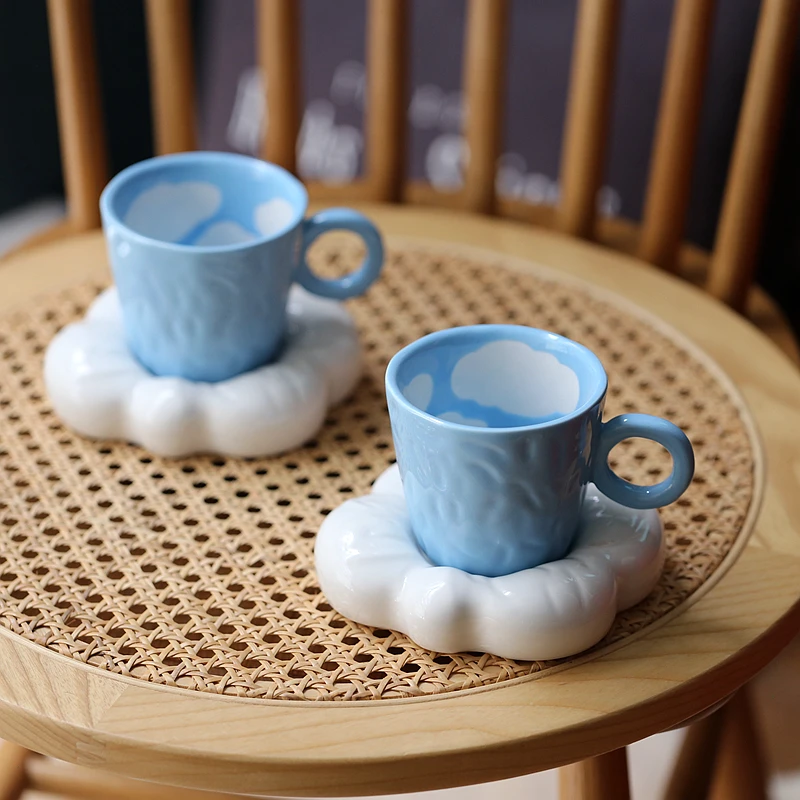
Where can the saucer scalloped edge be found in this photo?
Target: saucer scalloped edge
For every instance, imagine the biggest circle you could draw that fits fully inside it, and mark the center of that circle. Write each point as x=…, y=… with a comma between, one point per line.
x=100, y=390
x=372, y=571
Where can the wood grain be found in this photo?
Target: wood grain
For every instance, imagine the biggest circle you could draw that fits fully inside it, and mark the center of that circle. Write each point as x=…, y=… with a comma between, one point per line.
x=693, y=262
x=603, y=777
x=586, y=128
x=670, y=177
x=387, y=79
x=169, y=37
x=13, y=759
x=484, y=87
x=740, y=773
x=693, y=661
x=363, y=190
x=83, y=149
x=423, y=194
x=278, y=24
x=744, y=203
x=693, y=772
x=588, y=112
x=52, y=233
x=65, y=780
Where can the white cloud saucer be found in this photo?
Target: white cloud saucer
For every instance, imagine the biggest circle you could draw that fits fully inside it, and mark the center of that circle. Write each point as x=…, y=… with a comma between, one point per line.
x=372, y=571
x=101, y=391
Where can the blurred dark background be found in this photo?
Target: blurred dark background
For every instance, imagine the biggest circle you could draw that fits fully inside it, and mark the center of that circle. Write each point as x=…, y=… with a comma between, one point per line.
x=331, y=144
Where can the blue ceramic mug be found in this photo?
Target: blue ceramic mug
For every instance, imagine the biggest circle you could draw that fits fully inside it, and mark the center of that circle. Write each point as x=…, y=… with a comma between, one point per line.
x=498, y=429
x=204, y=248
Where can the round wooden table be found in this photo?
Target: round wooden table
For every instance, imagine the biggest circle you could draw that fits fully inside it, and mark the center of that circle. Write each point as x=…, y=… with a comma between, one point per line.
x=57, y=706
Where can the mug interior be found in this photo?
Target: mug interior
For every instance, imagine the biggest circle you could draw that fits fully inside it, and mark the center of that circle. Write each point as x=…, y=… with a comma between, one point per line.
x=205, y=199
x=497, y=376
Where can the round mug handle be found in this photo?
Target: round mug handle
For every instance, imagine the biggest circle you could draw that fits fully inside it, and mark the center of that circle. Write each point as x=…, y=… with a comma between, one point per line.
x=348, y=285
x=659, y=430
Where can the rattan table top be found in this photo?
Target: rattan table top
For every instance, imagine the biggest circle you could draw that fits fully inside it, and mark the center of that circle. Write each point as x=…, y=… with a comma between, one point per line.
x=199, y=573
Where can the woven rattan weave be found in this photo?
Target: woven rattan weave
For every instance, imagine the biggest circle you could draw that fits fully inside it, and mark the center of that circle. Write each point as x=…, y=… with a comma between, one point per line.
x=199, y=573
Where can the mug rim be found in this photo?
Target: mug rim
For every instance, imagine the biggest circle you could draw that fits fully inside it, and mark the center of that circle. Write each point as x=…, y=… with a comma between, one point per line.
x=204, y=156
x=409, y=350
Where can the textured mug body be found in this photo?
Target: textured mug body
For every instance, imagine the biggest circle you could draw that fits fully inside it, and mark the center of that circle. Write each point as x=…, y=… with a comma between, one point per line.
x=203, y=316
x=497, y=430
x=204, y=248
x=492, y=502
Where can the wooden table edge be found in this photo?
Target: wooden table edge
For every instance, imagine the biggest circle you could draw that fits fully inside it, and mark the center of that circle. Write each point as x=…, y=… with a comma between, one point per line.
x=102, y=741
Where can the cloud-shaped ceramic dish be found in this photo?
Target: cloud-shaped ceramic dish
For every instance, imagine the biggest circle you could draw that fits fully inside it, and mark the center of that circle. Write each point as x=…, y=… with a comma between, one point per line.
x=372, y=571
x=100, y=390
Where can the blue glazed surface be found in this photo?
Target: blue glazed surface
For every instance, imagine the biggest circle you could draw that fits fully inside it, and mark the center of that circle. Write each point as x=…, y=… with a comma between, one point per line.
x=498, y=429
x=204, y=248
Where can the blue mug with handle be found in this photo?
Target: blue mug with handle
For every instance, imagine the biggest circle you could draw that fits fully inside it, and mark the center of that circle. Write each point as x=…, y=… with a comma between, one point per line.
x=497, y=430
x=204, y=248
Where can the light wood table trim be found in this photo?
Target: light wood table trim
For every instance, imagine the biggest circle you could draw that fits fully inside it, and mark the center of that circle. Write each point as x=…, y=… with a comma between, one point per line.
x=80, y=714
x=600, y=778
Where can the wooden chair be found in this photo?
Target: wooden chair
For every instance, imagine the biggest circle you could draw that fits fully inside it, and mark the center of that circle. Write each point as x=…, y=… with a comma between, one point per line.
x=726, y=273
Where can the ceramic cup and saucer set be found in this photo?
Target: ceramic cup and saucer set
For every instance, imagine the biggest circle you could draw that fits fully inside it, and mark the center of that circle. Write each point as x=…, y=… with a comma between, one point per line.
x=217, y=336
x=501, y=528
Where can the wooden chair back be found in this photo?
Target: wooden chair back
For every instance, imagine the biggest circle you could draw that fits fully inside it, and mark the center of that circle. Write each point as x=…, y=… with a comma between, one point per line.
x=658, y=239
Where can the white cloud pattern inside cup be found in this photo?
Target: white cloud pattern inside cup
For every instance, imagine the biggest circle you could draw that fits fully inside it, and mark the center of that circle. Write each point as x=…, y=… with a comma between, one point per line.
x=420, y=391
x=273, y=216
x=170, y=211
x=224, y=233
x=517, y=379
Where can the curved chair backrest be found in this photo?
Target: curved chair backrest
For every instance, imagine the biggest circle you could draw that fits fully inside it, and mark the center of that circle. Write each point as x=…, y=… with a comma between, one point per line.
x=657, y=240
